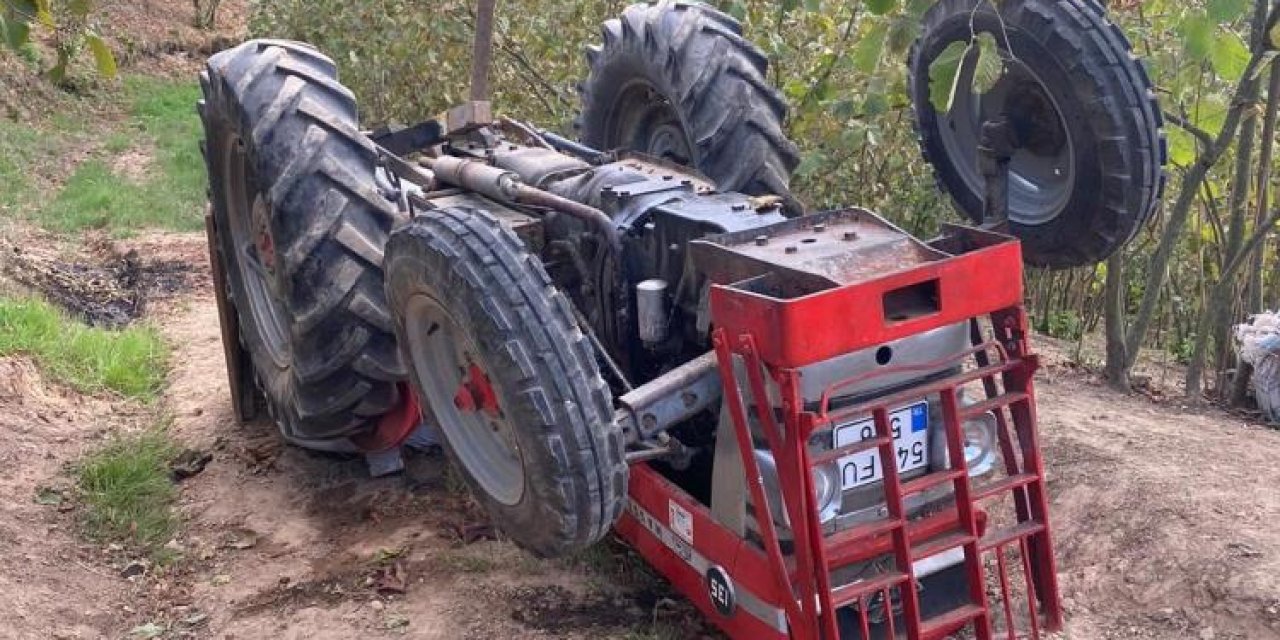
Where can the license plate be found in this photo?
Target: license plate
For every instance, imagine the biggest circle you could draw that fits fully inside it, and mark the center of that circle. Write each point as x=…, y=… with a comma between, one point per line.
x=910, y=427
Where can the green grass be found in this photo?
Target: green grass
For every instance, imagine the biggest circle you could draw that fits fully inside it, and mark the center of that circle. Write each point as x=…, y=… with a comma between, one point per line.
x=130, y=362
x=20, y=146
x=171, y=192
x=126, y=490
x=31, y=155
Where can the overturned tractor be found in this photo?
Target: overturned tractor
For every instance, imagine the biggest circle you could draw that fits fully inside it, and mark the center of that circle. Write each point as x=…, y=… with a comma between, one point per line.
x=814, y=424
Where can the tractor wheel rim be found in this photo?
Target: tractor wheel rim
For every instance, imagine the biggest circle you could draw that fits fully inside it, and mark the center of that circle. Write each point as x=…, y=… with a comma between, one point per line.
x=1042, y=169
x=455, y=384
x=642, y=119
x=255, y=253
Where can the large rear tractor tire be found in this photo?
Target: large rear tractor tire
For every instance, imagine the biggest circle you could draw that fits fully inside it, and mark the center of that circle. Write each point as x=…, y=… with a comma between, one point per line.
x=301, y=227
x=678, y=81
x=503, y=368
x=1089, y=150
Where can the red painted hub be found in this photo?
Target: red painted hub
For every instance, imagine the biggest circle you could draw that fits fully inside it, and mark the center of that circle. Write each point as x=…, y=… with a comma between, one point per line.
x=394, y=426
x=476, y=393
x=263, y=242
x=266, y=250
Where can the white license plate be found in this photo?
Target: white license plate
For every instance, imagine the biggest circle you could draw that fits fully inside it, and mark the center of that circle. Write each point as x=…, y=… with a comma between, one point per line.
x=910, y=427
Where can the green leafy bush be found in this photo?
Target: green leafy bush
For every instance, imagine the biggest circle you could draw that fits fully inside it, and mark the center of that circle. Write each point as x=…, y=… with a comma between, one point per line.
x=72, y=26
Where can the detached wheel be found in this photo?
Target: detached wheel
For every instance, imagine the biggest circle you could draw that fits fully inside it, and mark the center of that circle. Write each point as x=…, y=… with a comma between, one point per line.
x=301, y=228
x=1087, y=170
x=512, y=382
x=678, y=81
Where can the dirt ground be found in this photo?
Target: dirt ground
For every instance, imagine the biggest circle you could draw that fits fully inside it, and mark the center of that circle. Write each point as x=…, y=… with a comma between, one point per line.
x=1163, y=517
x=53, y=584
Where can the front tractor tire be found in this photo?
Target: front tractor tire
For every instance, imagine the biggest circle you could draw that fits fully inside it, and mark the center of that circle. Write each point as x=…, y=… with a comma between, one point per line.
x=502, y=367
x=301, y=228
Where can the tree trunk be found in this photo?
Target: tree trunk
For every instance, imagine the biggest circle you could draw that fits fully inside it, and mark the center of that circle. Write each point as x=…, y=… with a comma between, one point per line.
x=1214, y=314
x=1046, y=299
x=1117, y=370
x=1254, y=297
x=206, y=13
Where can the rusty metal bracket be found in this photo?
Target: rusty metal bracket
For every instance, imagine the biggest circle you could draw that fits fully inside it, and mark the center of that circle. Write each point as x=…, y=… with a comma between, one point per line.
x=996, y=147
x=467, y=117
x=244, y=393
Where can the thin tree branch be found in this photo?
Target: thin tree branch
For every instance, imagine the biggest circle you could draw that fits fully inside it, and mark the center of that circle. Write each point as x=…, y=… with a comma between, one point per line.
x=533, y=77
x=1200, y=135
x=835, y=58
x=1259, y=234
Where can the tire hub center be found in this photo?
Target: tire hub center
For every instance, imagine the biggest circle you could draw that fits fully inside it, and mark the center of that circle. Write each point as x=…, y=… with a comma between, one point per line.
x=475, y=393
x=1035, y=119
x=263, y=243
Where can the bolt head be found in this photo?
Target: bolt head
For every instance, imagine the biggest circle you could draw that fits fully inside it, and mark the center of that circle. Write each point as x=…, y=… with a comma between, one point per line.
x=791, y=248
x=762, y=240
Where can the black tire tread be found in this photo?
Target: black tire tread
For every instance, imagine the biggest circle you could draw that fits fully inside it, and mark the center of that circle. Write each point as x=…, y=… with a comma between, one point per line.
x=283, y=99
x=583, y=491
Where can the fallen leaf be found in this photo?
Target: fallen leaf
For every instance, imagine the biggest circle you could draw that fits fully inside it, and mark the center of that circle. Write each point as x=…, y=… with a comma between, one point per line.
x=134, y=568
x=48, y=496
x=195, y=619
x=189, y=463
x=473, y=533
x=242, y=539
x=148, y=630
x=383, y=556
x=220, y=580
x=393, y=579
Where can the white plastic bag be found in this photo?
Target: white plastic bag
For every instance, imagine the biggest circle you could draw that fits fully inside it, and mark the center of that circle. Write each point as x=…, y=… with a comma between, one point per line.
x=1258, y=344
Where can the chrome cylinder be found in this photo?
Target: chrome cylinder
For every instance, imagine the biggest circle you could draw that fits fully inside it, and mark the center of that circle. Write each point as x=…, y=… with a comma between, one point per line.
x=651, y=311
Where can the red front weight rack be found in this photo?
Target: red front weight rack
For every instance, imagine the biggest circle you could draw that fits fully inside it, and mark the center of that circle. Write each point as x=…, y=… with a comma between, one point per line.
x=773, y=318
